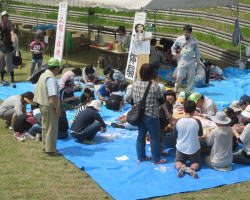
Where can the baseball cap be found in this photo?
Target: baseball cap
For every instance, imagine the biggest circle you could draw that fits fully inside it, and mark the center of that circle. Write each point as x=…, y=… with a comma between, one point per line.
x=54, y=62
x=244, y=99
x=195, y=97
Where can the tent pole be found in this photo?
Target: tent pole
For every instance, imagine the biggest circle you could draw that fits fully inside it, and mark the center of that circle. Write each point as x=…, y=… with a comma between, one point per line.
x=238, y=16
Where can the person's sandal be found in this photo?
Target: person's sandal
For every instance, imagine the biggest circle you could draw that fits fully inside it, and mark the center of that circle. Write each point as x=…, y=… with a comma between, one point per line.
x=181, y=171
x=146, y=159
x=192, y=172
x=162, y=161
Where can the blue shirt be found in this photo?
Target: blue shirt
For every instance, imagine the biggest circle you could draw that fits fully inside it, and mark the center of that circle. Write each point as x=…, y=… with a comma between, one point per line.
x=103, y=92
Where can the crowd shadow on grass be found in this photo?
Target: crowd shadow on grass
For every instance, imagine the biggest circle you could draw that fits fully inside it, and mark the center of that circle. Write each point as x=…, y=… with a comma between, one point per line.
x=81, y=151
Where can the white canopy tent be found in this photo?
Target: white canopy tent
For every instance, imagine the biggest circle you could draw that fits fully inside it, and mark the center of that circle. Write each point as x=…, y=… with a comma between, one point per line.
x=139, y=4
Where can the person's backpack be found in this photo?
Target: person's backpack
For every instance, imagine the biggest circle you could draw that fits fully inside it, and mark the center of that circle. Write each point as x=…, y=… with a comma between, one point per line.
x=114, y=102
x=63, y=126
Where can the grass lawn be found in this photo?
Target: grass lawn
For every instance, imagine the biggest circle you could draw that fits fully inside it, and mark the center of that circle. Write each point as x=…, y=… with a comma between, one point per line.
x=26, y=173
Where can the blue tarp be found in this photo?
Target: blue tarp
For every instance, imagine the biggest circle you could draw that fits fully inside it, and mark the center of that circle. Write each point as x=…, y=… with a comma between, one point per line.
x=128, y=180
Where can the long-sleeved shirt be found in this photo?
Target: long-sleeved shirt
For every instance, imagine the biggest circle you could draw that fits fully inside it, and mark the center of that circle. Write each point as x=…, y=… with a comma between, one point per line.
x=189, y=49
x=221, y=154
x=13, y=102
x=84, y=118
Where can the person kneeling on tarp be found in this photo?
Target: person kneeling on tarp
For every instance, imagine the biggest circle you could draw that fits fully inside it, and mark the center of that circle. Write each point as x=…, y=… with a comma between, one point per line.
x=87, y=123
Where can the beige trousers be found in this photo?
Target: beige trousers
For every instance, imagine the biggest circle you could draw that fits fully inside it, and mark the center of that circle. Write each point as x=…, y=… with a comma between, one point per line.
x=49, y=128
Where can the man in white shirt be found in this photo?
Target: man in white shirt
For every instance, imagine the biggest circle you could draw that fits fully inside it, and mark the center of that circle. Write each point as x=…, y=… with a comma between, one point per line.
x=186, y=50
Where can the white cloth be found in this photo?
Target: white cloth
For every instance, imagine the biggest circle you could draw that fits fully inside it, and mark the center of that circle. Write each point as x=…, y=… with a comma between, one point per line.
x=188, y=135
x=221, y=153
x=245, y=138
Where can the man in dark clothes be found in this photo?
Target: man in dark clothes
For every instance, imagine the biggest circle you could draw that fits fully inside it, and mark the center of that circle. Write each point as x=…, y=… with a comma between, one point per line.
x=87, y=122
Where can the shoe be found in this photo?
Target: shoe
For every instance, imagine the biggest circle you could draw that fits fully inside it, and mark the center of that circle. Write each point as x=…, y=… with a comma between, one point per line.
x=20, y=137
x=147, y=158
x=88, y=142
x=38, y=137
x=181, y=171
x=162, y=161
x=53, y=154
x=192, y=172
x=115, y=125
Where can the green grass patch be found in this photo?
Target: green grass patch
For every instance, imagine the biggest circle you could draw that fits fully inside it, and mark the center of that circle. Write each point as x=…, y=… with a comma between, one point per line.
x=245, y=1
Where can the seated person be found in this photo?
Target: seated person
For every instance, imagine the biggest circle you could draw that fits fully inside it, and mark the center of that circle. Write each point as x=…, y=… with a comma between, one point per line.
x=205, y=106
x=14, y=106
x=243, y=102
x=122, y=123
x=104, y=91
x=188, y=145
x=200, y=77
x=156, y=57
x=243, y=155
x=89, y=73
x=67, y=97
x=216, y=73
x=115, y=102
x=70, y=75
x=87, y=123
x=182, y=97
x=87, y=96
x=170, y=98
x=21, y=126
x=234, y=120
x=114, y=75
x=220, y=138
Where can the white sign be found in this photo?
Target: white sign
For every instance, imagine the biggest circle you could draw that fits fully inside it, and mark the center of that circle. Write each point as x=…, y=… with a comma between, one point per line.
x=140, y=20
x=60, y=30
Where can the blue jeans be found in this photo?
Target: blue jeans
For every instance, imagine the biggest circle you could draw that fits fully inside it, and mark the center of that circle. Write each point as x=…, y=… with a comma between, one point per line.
x=36, y=128
x=151, y=125
x=89, y=132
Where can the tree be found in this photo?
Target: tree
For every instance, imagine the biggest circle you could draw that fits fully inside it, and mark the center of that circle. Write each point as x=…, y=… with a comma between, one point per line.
x=5, y=4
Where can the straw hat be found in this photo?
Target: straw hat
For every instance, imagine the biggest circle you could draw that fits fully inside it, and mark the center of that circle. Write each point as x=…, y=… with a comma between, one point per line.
x=96, y=105
x=236, y=106
x=221, y=118
x=246, y=112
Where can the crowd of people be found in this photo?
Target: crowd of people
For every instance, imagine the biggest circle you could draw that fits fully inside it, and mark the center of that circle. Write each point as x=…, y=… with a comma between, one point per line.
x=47, y=120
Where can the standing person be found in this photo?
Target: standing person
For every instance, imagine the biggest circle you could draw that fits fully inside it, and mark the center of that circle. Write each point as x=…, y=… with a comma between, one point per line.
x=122, y=37
x=37, y=48
x=188, y=145
x=220, y=138
x=6, y=47
x=186, y=56
x=47, y=96
x=150, y=120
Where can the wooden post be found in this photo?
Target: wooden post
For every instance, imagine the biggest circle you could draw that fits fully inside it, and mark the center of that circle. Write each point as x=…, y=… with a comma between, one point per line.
x=141, y=59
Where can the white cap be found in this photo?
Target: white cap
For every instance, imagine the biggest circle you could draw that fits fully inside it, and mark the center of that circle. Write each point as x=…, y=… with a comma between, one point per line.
x=4, y=13
x=96, y=104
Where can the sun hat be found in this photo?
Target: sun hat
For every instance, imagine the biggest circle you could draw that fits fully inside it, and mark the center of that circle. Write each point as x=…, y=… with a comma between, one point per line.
x=96, y=104
x=244, y=99
x=54, y=62
x=4, y=13
x=195, y=97
x=236, y=106
x=221, y=118
x=246, y=112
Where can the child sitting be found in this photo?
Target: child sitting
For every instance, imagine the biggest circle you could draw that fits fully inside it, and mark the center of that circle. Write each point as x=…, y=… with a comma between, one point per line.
x=221, y=139
x=104, y=91
x=68, y=100
x=188, y=145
